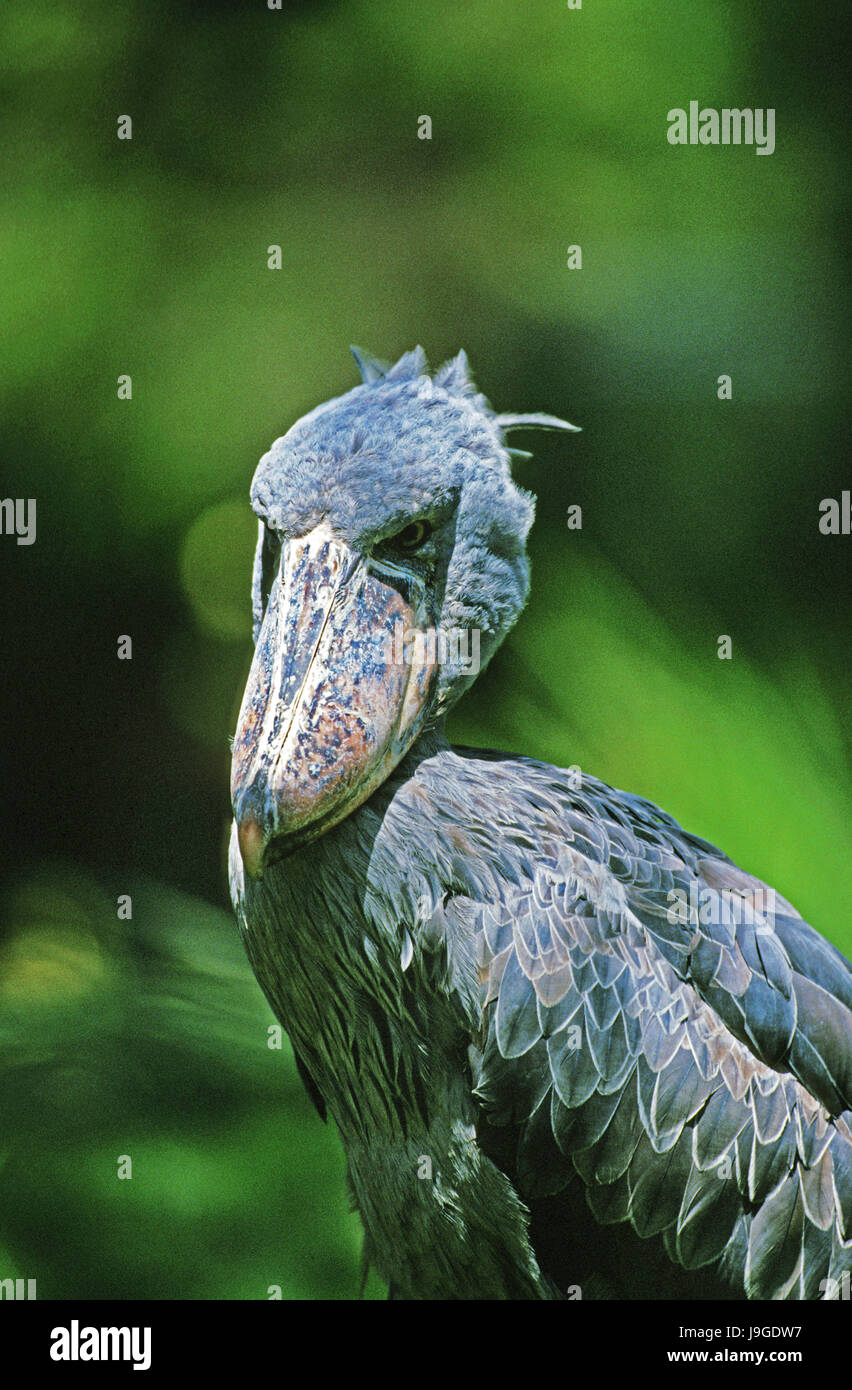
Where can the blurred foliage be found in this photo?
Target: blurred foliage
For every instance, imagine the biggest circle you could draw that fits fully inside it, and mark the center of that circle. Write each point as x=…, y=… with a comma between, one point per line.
x=148, y=257
x=148, y=1039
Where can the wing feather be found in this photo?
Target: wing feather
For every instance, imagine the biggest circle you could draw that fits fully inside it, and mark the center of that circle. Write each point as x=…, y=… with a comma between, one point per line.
x=654, y=1024
x=691, y=1071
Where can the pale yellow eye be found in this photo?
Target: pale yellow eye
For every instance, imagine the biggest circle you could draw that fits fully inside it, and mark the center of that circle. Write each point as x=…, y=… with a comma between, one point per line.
x=411, y=537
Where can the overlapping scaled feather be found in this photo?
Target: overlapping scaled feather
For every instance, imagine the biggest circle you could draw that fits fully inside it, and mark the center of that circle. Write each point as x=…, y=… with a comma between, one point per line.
x=694, y=1073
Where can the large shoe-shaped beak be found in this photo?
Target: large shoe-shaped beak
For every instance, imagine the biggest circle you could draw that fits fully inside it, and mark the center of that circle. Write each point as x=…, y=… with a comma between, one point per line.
x=333, y=701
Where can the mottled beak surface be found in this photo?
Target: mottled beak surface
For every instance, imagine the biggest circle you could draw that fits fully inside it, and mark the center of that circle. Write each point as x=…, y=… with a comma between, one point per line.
x=333, y=700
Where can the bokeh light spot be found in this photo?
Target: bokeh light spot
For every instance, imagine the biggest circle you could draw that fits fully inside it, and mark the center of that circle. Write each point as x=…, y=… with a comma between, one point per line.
x=216, y=562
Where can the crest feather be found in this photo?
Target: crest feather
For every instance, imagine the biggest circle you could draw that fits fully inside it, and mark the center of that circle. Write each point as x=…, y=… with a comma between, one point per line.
x=371, y=368
x=534, y=421
x=454, y=376
x=410, y=366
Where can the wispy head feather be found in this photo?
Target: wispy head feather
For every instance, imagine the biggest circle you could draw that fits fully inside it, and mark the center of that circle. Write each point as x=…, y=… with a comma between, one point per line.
x=371, y=368
x=534, y=421
x=454, y=377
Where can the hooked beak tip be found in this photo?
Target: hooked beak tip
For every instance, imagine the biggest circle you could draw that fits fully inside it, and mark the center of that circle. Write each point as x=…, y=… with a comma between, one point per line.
x=252, y=844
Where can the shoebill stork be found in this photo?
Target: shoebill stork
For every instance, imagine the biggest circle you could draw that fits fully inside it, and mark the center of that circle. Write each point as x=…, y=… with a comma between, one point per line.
x=552, y=1074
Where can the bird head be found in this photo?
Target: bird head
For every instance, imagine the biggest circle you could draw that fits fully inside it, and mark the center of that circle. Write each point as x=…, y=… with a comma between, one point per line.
x=391, y=562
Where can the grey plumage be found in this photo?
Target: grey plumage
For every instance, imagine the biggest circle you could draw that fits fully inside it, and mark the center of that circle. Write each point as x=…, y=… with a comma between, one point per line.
x=529, y=1055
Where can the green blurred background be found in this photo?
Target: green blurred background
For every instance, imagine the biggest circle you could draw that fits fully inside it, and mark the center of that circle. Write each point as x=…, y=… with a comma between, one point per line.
x=299, y=128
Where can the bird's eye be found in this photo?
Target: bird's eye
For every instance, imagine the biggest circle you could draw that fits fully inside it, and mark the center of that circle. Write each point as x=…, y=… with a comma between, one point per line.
x=414, y=535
